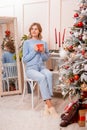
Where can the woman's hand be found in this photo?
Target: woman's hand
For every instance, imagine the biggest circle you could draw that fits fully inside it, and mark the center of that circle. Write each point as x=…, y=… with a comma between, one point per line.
x=39, y=49
x=35, y=48
x=43, y=50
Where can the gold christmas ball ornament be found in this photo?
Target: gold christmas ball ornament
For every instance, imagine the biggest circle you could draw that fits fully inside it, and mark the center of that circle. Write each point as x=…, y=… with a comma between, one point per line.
x=84, y=87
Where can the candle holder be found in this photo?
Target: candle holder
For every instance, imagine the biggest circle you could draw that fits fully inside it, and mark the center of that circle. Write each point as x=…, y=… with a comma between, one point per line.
x=54, y=51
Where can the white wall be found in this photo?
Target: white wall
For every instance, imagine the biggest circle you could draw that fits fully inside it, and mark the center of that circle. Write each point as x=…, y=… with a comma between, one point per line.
x=36, y=11
x=47, y=12
x=54, y=20
x=68, y=11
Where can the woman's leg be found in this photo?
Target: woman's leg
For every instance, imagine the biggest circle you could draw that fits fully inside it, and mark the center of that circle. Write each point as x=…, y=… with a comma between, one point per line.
x=49, y=103
x=48, y=75
x=49, y=109
x=42, y=81
x=44, y=89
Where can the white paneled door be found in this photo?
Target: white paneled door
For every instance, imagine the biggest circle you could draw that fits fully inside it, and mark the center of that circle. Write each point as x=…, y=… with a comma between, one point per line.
x=37, y=11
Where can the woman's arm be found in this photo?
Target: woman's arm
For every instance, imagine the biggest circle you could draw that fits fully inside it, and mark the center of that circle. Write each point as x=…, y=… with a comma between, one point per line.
x=28, y=54
x=45, y=55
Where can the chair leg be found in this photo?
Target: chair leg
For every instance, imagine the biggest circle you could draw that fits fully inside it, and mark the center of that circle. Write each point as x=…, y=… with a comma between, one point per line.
x=38, y=93
x=24, y=91
x=32, y=86
x=16, y=84
x=4, y=83
x=32, y=93
x=8, y=85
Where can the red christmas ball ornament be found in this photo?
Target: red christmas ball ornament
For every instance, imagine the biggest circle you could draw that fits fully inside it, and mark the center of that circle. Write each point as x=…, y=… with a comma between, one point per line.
x=80, y=24
x=76, y=77
x=70, y=47
x=76, y=15
x=71, y=80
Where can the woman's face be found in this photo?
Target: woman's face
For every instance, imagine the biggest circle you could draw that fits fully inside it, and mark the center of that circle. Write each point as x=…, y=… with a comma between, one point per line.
x=34, y=31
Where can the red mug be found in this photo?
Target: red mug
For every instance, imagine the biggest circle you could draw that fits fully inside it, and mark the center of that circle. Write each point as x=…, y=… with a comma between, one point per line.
x=40, y=47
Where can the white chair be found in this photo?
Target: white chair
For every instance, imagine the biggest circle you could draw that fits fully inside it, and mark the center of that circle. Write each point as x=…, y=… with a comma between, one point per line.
x=10, y=74
x=32, y=84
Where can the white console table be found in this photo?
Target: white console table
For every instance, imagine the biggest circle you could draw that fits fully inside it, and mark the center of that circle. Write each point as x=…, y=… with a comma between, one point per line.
x=52, y=65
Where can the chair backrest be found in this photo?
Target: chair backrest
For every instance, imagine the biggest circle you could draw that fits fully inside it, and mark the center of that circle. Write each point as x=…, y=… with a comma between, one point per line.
x=10, y=70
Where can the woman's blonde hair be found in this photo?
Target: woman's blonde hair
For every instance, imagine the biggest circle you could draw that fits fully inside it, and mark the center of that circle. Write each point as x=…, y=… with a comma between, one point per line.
x=10, y=46
x=39, y=28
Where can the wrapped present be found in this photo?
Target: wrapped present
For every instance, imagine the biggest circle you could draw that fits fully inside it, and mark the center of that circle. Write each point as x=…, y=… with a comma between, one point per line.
x=68, y=107
x=82, y=118
x=71, y=116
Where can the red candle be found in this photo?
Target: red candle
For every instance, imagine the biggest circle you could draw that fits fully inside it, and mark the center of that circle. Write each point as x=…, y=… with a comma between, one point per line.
x=55, y=36
x=63, y=36
x=59, y=40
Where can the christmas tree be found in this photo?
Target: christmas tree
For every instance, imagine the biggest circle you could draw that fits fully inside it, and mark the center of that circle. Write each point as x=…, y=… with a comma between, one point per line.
x=73, y=70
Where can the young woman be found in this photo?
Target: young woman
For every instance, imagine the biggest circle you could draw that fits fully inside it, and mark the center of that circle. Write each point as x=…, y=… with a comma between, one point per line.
x=9, y=52
x=34, y=58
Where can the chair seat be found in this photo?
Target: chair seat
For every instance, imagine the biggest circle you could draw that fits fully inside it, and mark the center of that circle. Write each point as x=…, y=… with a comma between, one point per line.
x=15, y=77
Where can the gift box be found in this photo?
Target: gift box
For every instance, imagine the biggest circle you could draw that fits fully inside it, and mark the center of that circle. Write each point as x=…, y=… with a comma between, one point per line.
x=82, y=117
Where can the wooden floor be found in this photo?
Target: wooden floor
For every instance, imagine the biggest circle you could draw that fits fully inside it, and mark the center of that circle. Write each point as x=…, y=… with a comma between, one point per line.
x=16, y=115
